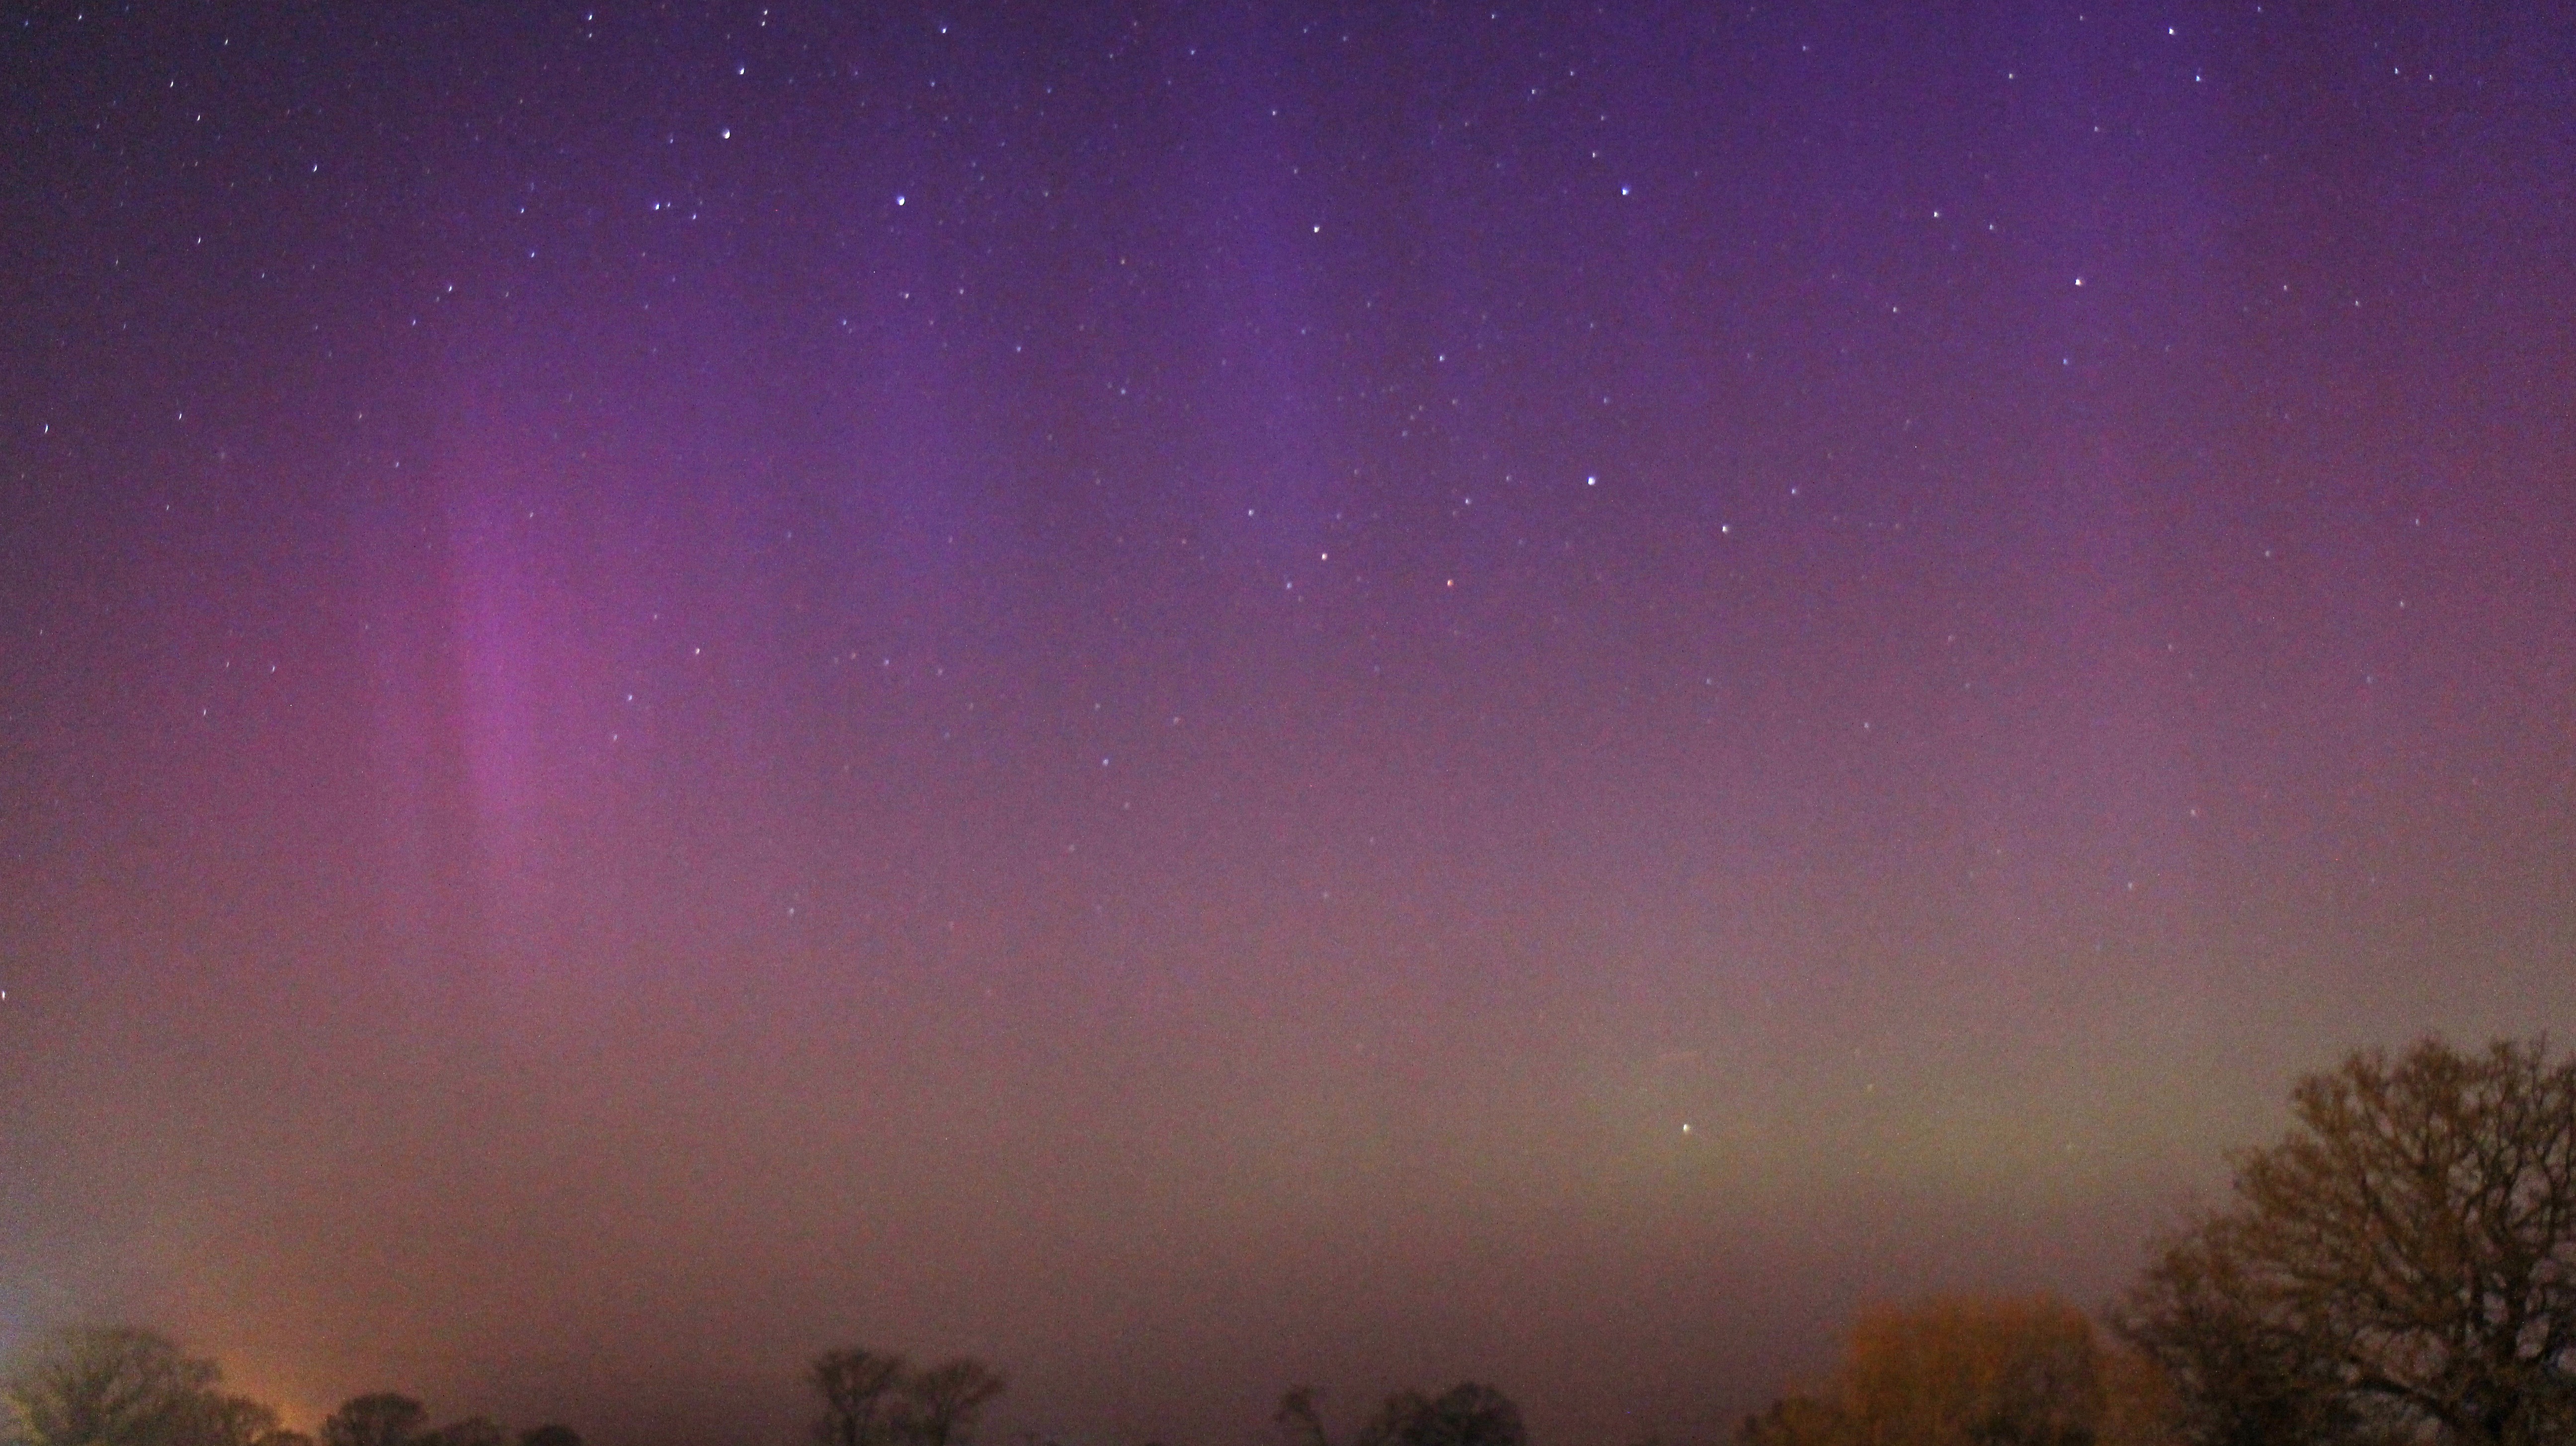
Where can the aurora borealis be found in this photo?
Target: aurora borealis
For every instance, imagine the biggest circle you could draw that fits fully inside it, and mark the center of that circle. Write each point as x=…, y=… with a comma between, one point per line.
x=1155, y=690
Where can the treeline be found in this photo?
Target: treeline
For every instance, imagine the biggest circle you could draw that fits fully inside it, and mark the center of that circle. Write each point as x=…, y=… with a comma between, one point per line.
x=2398, y=1270
x=120, y=1386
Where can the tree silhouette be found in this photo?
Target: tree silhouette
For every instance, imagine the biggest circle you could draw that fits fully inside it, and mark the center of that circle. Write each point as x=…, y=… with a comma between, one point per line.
x=105, y=1386
x=940, y=1404
x=472, y=1431
x=1467, y=1414
x=1298, y=1420
x=381, y=1418
x=2402, y=1263
x=873, y=1398
x=861, y=1393
x=119, y=1386
x=221, y=1420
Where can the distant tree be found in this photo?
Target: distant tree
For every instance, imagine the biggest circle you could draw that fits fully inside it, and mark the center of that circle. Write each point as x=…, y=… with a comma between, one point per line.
x=216, y=1419
x=1973, y=1372
x=471, y=1431
x=1798, y=1421
x=1467, y=1414
x=379, y=1419
x=106, y=1386
x=862, y=1397
x=120, y=1386
x=550, y=1435
x=940, y=1404
x=1298, y=1420
x=2241, y=1374
x=1969, y=1371
x=2401, y=1265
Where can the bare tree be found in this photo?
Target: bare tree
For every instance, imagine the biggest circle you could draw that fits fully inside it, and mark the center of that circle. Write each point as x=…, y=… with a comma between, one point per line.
x=472, y=1431
x=106, y=1386
x=215, y=1419
x=2240, y=1372
x=940, y=1404
x=862, y=1396
x=2403, y=1263
x=120, y=1386
x=1467, y=1414
x=381, y=1418
x=1298, y=1420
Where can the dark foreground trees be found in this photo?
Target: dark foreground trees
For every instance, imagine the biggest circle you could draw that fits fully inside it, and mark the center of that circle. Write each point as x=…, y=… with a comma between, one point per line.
x=871, y=1398
x=121, y=1386
x=380, y=1418
x=1467, y=1414
x=2401, y=1266
x=941, y=1403
x=118, y=1386
x=385, y=1418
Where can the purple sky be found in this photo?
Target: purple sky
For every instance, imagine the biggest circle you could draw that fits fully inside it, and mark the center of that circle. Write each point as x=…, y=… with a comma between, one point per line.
x=1156, y=691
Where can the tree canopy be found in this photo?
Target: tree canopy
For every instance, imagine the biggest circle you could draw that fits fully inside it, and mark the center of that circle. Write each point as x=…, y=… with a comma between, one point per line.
x=120, y=1386
x=872, y=1398
x=2402, y=1263
x=380, y=1418
x=1467, y=1414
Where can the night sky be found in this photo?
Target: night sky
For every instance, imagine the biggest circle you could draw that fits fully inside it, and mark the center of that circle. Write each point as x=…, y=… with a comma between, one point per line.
x=1204, y=696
